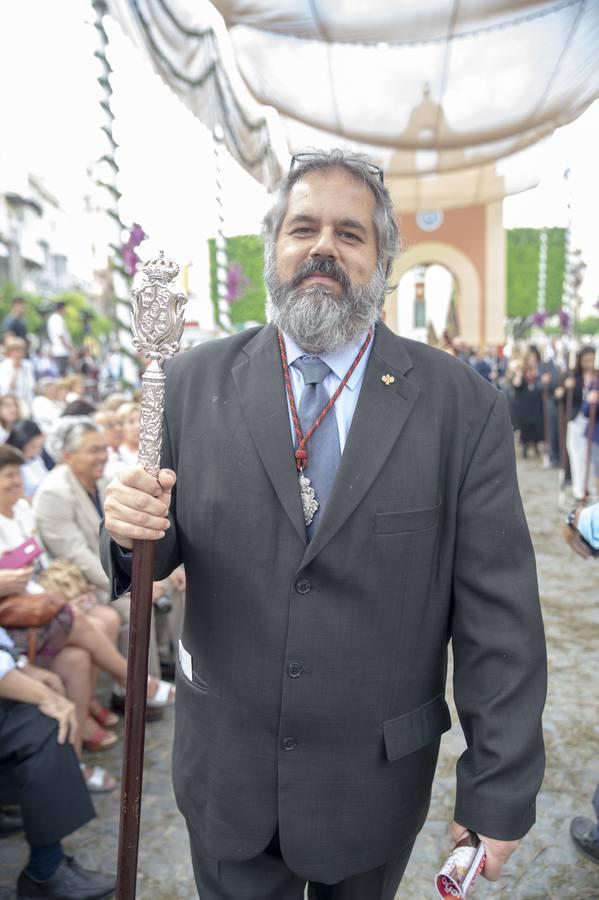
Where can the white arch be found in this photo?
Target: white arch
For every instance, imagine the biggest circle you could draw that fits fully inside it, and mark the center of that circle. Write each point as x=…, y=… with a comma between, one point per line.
x=465, y=274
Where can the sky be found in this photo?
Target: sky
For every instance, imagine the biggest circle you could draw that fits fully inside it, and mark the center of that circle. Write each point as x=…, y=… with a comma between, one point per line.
x=52, y=120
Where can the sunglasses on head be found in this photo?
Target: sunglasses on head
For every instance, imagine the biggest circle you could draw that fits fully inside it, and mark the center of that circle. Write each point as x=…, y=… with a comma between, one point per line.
x=300, y=158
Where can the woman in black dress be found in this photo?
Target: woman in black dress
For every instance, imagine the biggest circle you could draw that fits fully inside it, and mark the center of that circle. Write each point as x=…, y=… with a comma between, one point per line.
x=528, y=402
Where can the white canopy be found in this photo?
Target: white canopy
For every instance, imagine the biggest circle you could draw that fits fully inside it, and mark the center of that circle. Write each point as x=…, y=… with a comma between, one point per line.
x=437, y=91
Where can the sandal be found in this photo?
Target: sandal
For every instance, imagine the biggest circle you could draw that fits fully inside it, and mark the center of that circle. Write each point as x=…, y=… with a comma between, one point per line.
x=117, y=702
x=103, y=716
x=164, y=696
x=97, y=779
x=99, y=740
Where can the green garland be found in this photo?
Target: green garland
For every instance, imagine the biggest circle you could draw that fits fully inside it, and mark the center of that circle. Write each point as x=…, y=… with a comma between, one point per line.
x=215, y=72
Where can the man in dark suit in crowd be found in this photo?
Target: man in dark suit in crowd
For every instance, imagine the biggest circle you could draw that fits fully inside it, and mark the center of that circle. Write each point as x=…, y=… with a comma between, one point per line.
x=313, y=660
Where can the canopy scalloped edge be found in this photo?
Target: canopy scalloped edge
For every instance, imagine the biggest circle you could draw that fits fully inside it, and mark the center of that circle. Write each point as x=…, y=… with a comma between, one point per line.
x=208, y=82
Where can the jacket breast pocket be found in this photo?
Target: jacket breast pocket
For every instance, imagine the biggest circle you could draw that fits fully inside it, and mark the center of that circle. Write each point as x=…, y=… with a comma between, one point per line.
x=416, y=729
x=407, y=521
x=196, y=683
x=186, y=674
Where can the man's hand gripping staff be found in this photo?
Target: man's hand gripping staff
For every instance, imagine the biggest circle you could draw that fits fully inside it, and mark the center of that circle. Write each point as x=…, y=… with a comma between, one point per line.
x=137, y=505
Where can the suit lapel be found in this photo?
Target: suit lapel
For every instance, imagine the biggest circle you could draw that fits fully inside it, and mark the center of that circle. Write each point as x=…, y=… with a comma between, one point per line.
x=261, y=388
x=101, y=485
x=88, y=516
x=381, y=413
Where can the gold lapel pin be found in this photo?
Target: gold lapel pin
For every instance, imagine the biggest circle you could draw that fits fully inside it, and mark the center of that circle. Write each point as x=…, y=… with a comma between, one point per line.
x=387, y=379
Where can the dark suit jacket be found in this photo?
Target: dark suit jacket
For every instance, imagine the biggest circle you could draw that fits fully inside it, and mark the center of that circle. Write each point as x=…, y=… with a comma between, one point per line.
x=317, y=699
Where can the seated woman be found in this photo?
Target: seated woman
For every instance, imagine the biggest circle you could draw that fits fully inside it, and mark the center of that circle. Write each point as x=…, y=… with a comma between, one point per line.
x=67, y=664
x=10, y=413
x=75, y=640
x=17, y=375
x=27, y=437
x=47, y=406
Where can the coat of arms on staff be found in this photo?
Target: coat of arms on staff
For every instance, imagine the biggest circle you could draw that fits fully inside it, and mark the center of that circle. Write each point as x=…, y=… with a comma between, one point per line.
x=157, y=323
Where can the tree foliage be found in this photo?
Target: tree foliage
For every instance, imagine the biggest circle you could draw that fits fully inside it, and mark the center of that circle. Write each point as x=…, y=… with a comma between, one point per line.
x=78, y=308
x=33, y=319
x=37, y=308
x=590, y=325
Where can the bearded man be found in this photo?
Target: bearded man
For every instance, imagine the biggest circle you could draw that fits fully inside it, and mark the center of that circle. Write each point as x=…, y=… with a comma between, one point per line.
x=345, y=505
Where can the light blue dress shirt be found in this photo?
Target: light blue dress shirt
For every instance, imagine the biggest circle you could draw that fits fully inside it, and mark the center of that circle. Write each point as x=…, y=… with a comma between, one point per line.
x=339, y=362
x=6, y=661
x=588, y=525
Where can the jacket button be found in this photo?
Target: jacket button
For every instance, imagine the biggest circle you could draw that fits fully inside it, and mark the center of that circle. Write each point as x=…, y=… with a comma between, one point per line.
x=303, y=586
x=289, y=743
x=294, y=670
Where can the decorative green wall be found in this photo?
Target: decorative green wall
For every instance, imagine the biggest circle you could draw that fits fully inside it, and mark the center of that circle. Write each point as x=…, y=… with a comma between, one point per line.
x=523, y=270
x=245, y=251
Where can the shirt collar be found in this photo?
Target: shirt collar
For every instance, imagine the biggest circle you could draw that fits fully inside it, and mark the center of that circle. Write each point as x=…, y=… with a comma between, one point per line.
x=338, y=361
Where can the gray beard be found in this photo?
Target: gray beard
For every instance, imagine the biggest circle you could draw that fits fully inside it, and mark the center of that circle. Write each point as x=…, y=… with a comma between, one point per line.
x=318, y=320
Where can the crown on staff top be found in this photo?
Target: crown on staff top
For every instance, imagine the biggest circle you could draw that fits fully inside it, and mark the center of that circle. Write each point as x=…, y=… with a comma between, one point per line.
x=161, y=269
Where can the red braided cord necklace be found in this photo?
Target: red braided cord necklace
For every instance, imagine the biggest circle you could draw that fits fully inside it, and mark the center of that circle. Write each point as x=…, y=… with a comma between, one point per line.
x=301, y=454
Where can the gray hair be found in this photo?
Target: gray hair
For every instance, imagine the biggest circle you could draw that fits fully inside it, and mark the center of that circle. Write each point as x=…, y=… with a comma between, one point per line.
x=42, y=385
x=362, y=169
x=67, y=433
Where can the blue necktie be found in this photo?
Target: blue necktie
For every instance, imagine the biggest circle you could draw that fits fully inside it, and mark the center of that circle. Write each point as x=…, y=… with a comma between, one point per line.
x=323, y=448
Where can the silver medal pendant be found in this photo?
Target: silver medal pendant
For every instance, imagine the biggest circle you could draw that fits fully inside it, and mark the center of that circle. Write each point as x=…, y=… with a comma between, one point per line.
x=308, y=494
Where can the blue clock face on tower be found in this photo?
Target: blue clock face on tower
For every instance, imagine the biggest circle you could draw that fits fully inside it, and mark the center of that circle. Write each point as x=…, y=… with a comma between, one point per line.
x=429, y=219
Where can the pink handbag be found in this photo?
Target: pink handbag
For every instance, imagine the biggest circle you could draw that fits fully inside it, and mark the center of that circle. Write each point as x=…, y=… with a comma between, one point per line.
x=22, y=556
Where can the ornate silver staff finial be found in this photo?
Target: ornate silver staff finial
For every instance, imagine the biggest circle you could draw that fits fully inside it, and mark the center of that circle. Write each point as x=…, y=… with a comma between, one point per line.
x=157, y=325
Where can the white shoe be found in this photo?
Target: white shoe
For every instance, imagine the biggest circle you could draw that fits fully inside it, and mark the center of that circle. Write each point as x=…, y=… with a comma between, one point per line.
x=164, y=696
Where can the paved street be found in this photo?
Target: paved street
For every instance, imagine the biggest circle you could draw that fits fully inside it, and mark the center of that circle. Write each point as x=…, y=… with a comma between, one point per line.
x=547, y=865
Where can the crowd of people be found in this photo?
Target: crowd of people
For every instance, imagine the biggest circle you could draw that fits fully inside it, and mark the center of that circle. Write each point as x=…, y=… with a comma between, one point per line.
x=63, y=644
x=553, y=404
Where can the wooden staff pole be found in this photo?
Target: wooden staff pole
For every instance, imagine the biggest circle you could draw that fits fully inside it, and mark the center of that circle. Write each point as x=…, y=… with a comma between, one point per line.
x=157, y=325
x=135, y=718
